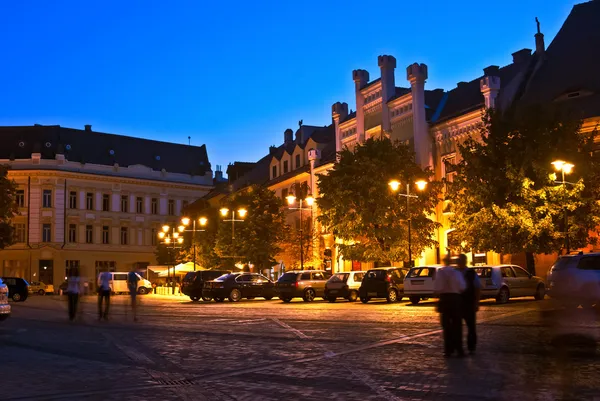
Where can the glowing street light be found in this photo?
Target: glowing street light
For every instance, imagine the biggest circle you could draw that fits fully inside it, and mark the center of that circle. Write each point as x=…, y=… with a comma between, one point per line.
x=309, y=200
x=171, y=238
x=565, y=168
x=241, y=213
x=185, y=221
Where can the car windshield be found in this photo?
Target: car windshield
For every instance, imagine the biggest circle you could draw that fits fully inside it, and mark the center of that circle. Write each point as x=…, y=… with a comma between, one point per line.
x=339, y=277
x=288, y=278
x=190, y=277
x=484, y=272
x=376, y=274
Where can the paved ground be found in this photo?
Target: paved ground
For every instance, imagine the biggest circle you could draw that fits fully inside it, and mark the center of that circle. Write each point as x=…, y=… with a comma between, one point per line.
x=259, y=350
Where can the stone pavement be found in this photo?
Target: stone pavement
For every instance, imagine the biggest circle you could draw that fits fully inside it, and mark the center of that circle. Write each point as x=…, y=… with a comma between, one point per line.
x=259, y=350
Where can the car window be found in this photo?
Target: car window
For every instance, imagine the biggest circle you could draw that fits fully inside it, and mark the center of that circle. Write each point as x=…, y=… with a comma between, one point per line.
x=414, y=272
x=507, y=272
x=318, y=276
x=261, y=278
x=520, y=272
x=358, y=277
x=484, y=272
x=189, y=277
x=589, y=263
x=223, y=277
x=10, y=281
x=425, y=272
x=120, y=276
x=244, y=278
x=375, y=274
x=305, y=276
x=340, y=277
x=397, y=274
x=288, y=278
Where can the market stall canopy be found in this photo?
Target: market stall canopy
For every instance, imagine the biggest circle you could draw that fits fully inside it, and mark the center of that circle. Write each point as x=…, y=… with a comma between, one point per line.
x=179, y=269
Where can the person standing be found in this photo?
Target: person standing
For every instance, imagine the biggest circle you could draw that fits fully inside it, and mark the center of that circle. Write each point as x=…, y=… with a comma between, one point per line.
x=132, y=285
x=449, y=284
x=470, y=301
x=104, y=281
x=73, y=291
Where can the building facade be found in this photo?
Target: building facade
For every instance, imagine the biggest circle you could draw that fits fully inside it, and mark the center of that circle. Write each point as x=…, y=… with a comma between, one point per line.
x=93, y=200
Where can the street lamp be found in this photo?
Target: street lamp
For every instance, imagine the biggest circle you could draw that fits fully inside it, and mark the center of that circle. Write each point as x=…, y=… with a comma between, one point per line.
x=395, y=186
x=241, y=212
x=309, y=200
x=186, y=222
x=170, y=237
x=564, y=168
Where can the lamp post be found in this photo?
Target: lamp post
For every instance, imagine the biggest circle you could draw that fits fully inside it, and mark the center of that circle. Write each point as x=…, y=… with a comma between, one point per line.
x=309, y=200
x=395, y=186
x=171, y=238
x=186, y=222
x=564, y=168
x=241, y=212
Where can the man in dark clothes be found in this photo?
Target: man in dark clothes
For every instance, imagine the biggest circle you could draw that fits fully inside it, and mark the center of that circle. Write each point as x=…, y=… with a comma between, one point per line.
x=470, y=301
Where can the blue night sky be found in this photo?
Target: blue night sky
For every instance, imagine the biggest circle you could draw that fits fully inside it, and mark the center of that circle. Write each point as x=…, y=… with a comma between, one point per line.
x=233, y=74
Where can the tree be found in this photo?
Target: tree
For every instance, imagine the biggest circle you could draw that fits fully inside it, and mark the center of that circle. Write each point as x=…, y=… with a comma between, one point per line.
x=357, y=205
x=257, y=238
x=505, y=197
x=8, y=208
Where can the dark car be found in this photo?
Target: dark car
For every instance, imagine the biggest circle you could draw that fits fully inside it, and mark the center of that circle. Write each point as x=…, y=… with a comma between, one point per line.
x=383, y=282
x=18, y=288
x=236, y=286
x=307, y=284
x=193, y=283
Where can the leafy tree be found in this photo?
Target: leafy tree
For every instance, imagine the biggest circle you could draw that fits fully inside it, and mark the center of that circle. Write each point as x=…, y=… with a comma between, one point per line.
x=8, y=208
x=504, y=195
x=258, y=237
x=357, y=205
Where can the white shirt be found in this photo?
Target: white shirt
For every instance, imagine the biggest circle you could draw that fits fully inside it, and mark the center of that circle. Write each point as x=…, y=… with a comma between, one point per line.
x=448, y=280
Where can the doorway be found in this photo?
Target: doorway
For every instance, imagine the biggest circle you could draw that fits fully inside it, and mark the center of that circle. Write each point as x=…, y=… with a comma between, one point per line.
x=46, y=269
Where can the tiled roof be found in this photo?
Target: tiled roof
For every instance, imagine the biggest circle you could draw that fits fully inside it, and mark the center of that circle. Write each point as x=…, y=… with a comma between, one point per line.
x=399, y=92
x=349, y=117
x=100, y=148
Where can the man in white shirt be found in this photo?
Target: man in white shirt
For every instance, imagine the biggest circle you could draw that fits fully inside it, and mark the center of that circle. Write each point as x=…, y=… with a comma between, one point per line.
x=449, y=284
x=104, y=281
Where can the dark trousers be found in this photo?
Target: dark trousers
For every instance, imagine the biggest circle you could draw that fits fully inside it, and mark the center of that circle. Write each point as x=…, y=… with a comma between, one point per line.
x=469, y=316
x=103, y=294
x=451, y=315
x=73, y=300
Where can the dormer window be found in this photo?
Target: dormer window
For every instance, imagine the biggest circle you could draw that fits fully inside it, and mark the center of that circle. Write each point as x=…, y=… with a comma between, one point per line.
x=285, y=167
x=274, y=173
x=297, y=161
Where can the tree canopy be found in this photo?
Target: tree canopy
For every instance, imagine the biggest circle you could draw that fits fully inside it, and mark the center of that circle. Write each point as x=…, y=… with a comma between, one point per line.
x=358, y=206
x=505, y=196
x=8, y=208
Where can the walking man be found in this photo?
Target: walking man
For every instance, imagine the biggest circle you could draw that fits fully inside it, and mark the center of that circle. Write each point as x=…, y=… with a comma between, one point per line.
x=73, y=290
x=470, y=301
x=449, y=284
x=104, y=281
x=132, y=284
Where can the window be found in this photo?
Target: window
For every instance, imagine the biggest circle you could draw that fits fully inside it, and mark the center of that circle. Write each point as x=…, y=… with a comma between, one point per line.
x=20, y=198
x=105, y=265
x=124, y=203
x=20, y=232
x=244, y=278
x=520, y=272
x=105, y=202
x=46, y=232
x=124, y=232
x=89, y=201
x=358, y=277
x=47, y=198
x=154, y=206
x=285, y=167
x=184, y=204
x=318, y=276
x=305, y=276
x=139, y=205
x=89, y=234
x=284, y=193
x=507, y=272
x=120, y=277
x=297, y=161
x=153, y=236
x=72, y=200
x=274, y=174
x=105, y=235
x=585, y=263
x=171, y=207
x=72, y=233
x=448, y=167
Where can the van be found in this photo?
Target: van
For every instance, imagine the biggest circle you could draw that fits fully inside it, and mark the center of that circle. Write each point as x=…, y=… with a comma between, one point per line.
x=193, y=283
x=118, y=283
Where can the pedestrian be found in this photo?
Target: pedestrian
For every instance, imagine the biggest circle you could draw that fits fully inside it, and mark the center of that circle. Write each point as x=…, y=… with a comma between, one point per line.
x=73, y=291
x=449, y=284
x=104, y=282
x=470, y=301
x=132, y=284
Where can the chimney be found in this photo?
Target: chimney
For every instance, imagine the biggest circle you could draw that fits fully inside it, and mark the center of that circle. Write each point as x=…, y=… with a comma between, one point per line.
x=461, y=84
x=387, y=64
x=361, y=79
x=272, y=149
x=88, y=127
x=540, y=48
x=288, y=136
x=521, y=56
x=489, y=85
x=339, y=111
x=417, y=74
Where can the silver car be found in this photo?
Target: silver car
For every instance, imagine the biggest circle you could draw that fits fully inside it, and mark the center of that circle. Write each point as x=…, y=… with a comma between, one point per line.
x=4, y=306
x=503, y=282
x=344, y=285
x=575, y=279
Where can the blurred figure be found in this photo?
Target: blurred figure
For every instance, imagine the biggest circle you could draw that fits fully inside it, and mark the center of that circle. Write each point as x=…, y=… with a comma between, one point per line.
x=104, y=281
x=449, y=284
x=470, y=301
x=73, y=291
x=132, y=285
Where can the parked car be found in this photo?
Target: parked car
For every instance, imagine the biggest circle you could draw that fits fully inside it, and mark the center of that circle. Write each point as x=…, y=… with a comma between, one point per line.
x=575, y=279
x=17, y=288
x=62, y=288
x=305, y=284
x=503, y=282
x=236, y=286
x=383, y=282
x=193, y=283
x=118, y=283
x=4, y=306
x=419, y=283
x=344, y=285
x=37, y=287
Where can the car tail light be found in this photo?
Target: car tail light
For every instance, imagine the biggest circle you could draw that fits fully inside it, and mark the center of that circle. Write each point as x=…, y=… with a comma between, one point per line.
x=296, y=284
x=388, y=278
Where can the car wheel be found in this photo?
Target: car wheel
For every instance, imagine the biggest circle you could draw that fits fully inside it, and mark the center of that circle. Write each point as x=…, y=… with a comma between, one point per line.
x=332, y=299
x=392, y=295
x=353, y=296
x=235, y=295
x=503, y=296
x=286, y=299
x=41, y=292
x=142, y=290
x=365, y=300
x=540, y=292
x=414, y=299
x=309, y=295
x=195, y=299
x=16, y=297
x=268, y=298
x=205, y=298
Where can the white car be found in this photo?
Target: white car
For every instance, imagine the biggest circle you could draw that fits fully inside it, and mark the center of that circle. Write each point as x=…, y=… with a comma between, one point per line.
x=118, y=284
x=418, y=283
x=344, y=285
x=4, y=306
x=575, y=279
